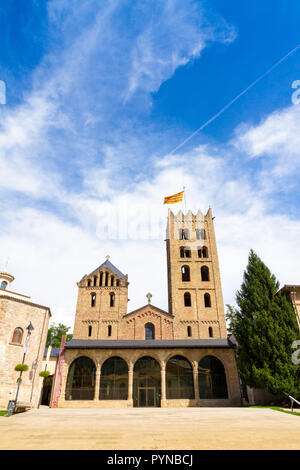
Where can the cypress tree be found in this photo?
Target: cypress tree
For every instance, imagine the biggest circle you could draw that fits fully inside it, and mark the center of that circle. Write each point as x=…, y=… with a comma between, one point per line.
x=265, y=327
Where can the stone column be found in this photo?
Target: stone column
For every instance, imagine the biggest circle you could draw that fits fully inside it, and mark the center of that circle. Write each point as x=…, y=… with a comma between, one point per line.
x=130, y=384
x=97, y=384
x=196, y=381
x=163, y=384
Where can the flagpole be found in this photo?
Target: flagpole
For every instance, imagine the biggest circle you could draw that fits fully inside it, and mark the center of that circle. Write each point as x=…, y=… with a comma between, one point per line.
x=184, y=199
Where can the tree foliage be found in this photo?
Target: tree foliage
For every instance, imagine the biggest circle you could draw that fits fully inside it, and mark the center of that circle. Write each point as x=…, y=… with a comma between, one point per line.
x=265, y=327
x=55, y=333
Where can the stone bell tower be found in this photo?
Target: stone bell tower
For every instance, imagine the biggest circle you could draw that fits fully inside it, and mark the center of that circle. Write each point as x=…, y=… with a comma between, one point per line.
x=194, y=284
x=101, y=303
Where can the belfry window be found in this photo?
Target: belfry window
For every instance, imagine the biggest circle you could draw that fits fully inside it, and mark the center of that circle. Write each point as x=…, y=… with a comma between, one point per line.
x=112, y=299
x=89, y=282
x=112, y=280
x=149, y=331
x=93, y=299
x=101, y=278
x=181, y=252
x=204, y=273
x=106, y=279
x=185, y=273
x=187, y=299
x=207, y=301
x=204, y=252
x=3, y=285
x=95, y=280
x=200, y=234
x=118, y=283
x=90, y=330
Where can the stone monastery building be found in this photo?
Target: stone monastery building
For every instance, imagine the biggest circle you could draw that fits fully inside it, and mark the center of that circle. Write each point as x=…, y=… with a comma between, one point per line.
x=150, y=357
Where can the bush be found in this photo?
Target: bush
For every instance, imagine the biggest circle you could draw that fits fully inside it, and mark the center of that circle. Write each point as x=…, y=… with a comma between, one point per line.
x=44, y=374
x=21, y=367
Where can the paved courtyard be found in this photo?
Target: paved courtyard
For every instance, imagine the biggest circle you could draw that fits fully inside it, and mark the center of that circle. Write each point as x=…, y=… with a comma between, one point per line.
x=177, y=428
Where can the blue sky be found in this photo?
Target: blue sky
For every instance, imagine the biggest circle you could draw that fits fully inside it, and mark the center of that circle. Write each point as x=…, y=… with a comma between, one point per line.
x=98, y=96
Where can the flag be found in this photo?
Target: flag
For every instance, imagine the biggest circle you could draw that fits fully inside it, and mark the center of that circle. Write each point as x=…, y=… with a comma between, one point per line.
x=173, y=199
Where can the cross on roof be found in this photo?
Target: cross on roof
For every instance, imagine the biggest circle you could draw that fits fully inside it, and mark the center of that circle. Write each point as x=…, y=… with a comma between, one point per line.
x=107, y=257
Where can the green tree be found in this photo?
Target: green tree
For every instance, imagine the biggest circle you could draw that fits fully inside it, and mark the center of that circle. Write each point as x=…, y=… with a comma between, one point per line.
x=55, y=333
x=265, y=327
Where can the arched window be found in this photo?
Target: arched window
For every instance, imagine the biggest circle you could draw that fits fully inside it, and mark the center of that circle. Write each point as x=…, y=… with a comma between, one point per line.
x=181, y=234
x=117, y=283
x=187, y=299
x=106, y=279
x=189, y=331
x=204, y=252
x=112, y=299
x=186, y=234
x=112, y=280
x=207, y=301
x=90, y=330
x=181, y=252
x=149, y=331
x=101, y=279
x=185, y=273
x=3, y=285
x=81, y=379
x=179, y=378
x=200, y=234
x=212, y=378
x=210, y=332
x=89, y=282
x=187, y=252
x=204, y=273
x=114, y=379
x=95, y=280
x=93, y=299
x=17, y=336
x=109, y=328
x=199, y=252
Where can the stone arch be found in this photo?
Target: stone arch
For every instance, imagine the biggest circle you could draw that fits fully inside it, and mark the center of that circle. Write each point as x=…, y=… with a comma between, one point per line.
x=179, y=378
x=81, y=379
x=114, y=379
x=212, y=378
x=146, y=381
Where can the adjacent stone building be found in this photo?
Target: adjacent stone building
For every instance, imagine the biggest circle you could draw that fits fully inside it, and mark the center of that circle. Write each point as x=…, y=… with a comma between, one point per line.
x=17, y=312
x=152, y=357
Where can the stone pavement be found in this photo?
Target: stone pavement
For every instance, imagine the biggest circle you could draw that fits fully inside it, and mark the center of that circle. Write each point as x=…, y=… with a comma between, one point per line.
x=152, y=429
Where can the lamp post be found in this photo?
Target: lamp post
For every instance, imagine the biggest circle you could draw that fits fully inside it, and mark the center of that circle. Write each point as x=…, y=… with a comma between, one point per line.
x=29, y=330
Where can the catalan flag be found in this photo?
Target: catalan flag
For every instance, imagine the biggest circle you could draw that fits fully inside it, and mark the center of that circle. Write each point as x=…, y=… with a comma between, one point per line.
x=173, y=199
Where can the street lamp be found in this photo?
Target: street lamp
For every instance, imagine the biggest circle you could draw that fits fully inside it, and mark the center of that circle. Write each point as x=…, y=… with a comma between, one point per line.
x=29, y=330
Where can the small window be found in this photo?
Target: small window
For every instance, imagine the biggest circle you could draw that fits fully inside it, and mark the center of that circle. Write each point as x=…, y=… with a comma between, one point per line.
x=199, y=252
x=189, y=331
x=93, y=300
x=204, y=273
x=188, y=252
x=205, y=252
x=185, y=273
x=101, y=279
x=112, y=299
x=186, y=234
x=90, y=330
x=118, y=283
x=149, y=331
x=207, y=301
x=112, y=280
x=181, y=252
x=89, y=282
x=109, y=328
x=95, y=280
x=3, y=285
x=106, y=279
x=187, y=299
x=210, y=332
x=181, y=234
x=17, y=336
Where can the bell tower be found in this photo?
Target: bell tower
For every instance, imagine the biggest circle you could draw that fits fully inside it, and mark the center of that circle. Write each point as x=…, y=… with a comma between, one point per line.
x=194, y=284
x=101, y=303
